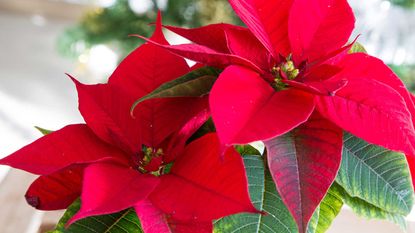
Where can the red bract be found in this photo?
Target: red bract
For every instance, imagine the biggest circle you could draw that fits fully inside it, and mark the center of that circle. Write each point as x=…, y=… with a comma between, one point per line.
x=290, y=62
x=201, y=186
x=198, y=176
x=116, y=161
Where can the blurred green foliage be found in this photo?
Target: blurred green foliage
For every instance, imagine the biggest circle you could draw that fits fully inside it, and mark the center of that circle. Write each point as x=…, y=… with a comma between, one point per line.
x=407, y=74
x=404, y=3
x=112, y=25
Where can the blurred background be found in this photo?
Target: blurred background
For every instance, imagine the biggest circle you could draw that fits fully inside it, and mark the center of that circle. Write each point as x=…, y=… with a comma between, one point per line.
x=42, y=39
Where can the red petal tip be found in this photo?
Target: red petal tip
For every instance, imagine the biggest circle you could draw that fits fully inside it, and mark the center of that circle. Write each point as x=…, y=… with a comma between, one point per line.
x=33, y=201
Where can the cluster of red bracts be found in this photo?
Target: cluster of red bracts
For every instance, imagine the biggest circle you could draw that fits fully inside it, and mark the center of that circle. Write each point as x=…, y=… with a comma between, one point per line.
x=288, y=75
x=116, y=161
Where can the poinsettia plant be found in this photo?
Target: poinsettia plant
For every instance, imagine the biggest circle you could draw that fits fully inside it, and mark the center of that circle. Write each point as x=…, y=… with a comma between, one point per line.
x=172, y=148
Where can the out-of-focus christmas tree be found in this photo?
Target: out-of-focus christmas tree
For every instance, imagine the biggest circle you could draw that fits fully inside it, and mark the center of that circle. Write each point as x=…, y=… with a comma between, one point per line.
x=112, y=25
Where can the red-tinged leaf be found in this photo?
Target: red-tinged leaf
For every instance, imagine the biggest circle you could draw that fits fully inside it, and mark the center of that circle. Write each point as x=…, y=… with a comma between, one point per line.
x=268, y=21
x=318, y=27
x=155, y=221
x=242, y=103
x=148, y=67
x=205, y=55
x=60, y=149
x=243, y=43
x=212, y=36
x=152, y=219
x=372, y=111
x=191, y=227
x=57, y=190
x=304, y=164
x=203, y=185
x=359, y=65
x=109, y=188
x=106, y=109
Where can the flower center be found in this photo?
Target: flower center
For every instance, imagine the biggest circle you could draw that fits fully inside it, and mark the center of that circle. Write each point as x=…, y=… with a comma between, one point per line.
x=152, y=161
x=284, y=71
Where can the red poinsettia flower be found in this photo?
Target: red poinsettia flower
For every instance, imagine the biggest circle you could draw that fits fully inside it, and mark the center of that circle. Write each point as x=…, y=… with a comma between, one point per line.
x=290, y=61
x=115, y=161
x=288, y=79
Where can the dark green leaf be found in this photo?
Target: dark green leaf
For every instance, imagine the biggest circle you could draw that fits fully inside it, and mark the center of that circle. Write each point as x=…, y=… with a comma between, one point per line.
x=367, y=210
x=265, y=198
x=194, y=84
x=376, y=175
x=121, y=222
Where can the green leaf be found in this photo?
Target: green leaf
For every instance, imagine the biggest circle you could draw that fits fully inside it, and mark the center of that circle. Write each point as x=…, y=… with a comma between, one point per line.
x=247, y=150
x=43, y=131
x=313, y=223
x=194, y=84
x=367, y=210
x=265, y=197
x=327, y=211
x=376, y=175
x=357, y=48
x=121, y=222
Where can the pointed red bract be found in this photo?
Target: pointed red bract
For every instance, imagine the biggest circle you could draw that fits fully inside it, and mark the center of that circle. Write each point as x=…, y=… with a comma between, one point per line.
x=246, y=45
x=147, y=67
x=212, y=35
x=268, y=20
x=155, y=221
x=60, y=149
x=56, y=191
x=372, y=111
x=375, y=69
x=106, y=109
x=304, y=164
x=317, y=27
x=245, y=114
x=204, y=177
x=152, y=219
x=205, y=55
x=109, y=188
